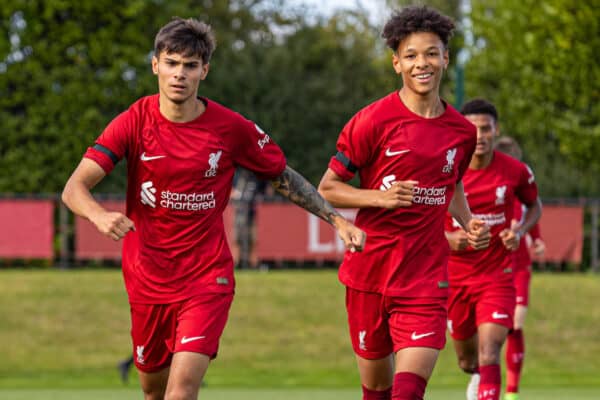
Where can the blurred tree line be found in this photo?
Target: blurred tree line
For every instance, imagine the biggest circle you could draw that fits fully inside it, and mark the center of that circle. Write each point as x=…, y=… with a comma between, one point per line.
x=69, y=67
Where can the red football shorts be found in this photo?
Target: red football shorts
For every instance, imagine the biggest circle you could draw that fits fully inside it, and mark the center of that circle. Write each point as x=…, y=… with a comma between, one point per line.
x=381, y=325
x=472, y=305
x=195, y=325
x=522, y=279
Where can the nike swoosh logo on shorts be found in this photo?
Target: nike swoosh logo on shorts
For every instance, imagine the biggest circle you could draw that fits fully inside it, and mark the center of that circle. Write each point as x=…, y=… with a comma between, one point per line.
x=144, y=157
x=414, y=335
x=185, y=340
x=497, y=315
x=391, y=153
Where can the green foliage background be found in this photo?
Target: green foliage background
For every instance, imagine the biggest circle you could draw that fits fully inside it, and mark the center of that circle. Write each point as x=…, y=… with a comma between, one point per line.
x=68, y=67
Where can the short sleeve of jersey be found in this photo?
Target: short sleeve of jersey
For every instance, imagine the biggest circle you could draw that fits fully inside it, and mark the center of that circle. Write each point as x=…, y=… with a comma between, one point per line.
x=112, y=144
x=257, y=152
x=354, y=146
x=526, y=191
x=469, y=149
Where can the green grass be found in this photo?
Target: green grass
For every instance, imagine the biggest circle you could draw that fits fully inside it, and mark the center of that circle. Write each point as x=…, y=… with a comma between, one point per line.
x=278, y=394
x=287, y=329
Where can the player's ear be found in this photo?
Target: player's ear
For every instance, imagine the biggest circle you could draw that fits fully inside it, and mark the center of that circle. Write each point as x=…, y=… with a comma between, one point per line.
x=497, y=128
x=154, y=65
x=205, y=69
x=396, y=62
x=446, y=56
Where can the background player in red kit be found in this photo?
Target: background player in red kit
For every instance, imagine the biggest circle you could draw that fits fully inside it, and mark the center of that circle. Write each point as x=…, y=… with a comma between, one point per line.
x=410, y=149
x=482, y=295
x=182, y=151
x=515, y=341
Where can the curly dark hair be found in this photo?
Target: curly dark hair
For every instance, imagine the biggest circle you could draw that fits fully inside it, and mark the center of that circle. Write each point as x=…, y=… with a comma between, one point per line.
x=188, y=37
x=416, y=19
x=479, y=106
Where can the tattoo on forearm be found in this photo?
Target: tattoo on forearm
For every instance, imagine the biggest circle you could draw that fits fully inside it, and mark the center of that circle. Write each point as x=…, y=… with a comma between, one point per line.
x=296, y=188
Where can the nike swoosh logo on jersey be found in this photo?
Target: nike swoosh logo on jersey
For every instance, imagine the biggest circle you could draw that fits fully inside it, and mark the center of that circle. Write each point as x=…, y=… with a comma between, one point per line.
x=391, y=153
x=497, y=315
x=144, y=157
x=414, y=335
x=185, y=340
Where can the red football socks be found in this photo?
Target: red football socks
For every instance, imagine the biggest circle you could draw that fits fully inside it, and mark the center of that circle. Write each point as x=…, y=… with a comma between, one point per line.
x=408, y=386
x=515, y=353
x=489, y=384
x=369, y=394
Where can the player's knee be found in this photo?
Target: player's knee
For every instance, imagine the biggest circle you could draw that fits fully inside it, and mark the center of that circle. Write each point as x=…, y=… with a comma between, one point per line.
x=467, y=364
x=489, y=355
x=153, y=394
x=181, y=393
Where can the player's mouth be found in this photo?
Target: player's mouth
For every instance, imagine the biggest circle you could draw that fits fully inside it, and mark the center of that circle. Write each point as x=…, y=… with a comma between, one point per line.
x=423, y=78
x=179, y=88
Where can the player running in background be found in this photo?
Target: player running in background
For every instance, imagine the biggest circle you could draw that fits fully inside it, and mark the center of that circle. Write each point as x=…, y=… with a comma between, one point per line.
x=515, y=342
x=410, y=149
x=482, y=293
x=181, y=153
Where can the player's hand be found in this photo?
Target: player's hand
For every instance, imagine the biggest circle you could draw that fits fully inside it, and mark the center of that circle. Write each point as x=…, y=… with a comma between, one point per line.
x=457, y=240
x=112, y=224
x=400, y=194
x=353, y=237
x=510, y=239
x=478, y=234
x=539, y=247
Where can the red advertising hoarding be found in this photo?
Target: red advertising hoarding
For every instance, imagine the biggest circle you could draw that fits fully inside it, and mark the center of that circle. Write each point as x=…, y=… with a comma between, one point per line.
x=287, y=232
x=27, y=229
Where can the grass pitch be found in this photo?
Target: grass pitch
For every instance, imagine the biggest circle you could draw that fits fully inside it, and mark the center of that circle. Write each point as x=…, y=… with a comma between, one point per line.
x=278, y=394
x=287, y=330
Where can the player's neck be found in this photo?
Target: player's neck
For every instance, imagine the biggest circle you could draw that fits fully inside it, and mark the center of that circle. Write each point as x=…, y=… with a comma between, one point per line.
x=187, y=111
x=481, y=161
x=426, y=106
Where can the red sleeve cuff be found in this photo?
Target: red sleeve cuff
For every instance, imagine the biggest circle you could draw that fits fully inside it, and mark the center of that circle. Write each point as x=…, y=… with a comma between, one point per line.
x=336, y=166
x=100, y=158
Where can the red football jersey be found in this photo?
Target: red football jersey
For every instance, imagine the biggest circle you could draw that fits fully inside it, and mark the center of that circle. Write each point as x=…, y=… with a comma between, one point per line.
x=521, y=257
x=491, y=193
x=406, y=251
x=179, y=181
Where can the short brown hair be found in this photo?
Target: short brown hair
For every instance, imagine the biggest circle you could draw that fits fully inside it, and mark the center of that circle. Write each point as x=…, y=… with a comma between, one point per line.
x=416, y=19
x=510, y=146
x=188, y=37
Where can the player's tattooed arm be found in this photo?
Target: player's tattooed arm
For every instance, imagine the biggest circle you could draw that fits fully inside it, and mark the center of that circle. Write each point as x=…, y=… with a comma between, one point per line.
x=295, y=187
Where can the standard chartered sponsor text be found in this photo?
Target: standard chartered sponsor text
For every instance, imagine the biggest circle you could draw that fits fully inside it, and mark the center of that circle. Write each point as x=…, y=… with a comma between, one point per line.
x=492, y=219
x=187, y=201
x=430, y=196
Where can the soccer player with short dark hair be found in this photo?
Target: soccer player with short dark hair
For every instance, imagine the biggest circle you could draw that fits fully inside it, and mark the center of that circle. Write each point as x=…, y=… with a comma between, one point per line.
x=182, y=151
x=515, y=342
x=482, y=294
x=410, y=149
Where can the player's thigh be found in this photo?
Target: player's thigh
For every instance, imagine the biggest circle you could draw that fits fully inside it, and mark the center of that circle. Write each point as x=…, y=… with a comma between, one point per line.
x=368, y=324
x=520, y=316
x=150, y=337
x=154, y=384
x=522, y=280
x=417, y=360
x=491, y=337
x=496, y=304
x=461, y=323
x=376, y=374
x=186, y=374
x=418, y=330
x=466, y=353
x=200, y=323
